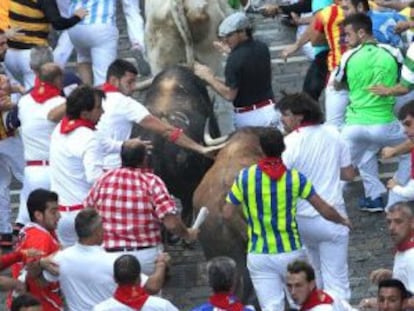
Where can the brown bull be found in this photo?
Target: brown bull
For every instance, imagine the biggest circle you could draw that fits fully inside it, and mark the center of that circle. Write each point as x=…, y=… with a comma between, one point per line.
x=217, y=237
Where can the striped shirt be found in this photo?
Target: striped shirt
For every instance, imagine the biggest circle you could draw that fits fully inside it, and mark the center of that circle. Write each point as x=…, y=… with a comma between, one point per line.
x=407, y=72
x=100, y=11
x=328, y=21
x=269, y=207
x=33, y=18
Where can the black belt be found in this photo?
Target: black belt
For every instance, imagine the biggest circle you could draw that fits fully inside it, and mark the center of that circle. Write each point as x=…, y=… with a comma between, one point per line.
x=126, y=249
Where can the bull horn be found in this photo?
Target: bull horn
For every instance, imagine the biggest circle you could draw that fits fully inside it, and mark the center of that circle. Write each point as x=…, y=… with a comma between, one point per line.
x=208, y=140
x=142, y=85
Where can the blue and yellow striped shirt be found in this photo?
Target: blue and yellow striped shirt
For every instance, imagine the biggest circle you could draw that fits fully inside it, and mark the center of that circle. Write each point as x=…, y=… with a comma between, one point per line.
x=269, y=207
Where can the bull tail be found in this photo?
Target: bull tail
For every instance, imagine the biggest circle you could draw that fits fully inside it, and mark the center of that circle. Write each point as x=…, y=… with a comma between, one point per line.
x=180, y=20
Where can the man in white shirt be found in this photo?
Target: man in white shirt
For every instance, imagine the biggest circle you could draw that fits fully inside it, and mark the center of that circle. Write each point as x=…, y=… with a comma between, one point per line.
x=38, y=112
x=121, y=112
x=129, y=294
x=75, y=157
x=85, y=270
x=319, y=152
x=400, y=219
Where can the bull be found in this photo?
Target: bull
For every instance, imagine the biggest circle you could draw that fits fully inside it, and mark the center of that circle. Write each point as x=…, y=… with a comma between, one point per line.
x=179, y=97
x=228, y=239
x=180, y=31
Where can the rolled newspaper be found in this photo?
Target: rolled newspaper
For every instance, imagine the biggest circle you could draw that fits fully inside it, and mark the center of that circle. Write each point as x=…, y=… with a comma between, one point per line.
x=202, y=215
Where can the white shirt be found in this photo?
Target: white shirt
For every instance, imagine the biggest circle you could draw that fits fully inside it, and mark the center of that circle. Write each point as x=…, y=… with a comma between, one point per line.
x=404, y=268
x=75, y=164
x=152, y=304
x=85, y=275
x=318, y=152
x=100, y=11
x=115, y=125
x=35, y=128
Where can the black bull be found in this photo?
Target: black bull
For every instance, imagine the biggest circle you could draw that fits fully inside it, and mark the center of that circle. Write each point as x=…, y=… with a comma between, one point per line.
x=180, y=98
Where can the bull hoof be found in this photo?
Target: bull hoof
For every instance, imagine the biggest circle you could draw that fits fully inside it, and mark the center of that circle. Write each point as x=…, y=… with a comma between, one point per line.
x=188, y=245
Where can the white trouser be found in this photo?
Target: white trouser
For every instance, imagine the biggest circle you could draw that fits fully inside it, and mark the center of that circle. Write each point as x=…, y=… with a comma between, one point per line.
x=264, y=116
x=135, y=22
x=268, y=274
x=66, y=228
x=35, y=177
x=146, y=257
x=63, y=49
x=322, y=239
x=11, y=162
x=365, y=141
x=96, y=44
x=17, y=64
x=335, y=103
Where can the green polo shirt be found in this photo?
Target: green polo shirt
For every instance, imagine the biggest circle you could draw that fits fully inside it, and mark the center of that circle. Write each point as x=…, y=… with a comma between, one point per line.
x=367, y=65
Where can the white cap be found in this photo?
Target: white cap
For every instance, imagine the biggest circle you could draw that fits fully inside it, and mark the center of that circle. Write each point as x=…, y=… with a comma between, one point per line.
x=232, y=23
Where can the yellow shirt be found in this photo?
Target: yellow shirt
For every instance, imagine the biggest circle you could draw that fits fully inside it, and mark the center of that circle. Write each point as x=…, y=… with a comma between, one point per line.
x=4, y=14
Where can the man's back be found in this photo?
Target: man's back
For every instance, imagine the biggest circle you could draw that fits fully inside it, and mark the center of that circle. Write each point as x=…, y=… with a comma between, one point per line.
x=85, y=276
x=152, y=304
x=318, y=152
x=367, y=65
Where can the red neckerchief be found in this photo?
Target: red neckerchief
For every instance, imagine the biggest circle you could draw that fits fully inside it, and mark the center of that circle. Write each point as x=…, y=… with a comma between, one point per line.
x=226, y=301
x=406, y=244
x=134, y=296
x=67, y=126
x=304, y=124
x=273, y=167
x=316, y=297
x=107, y=88
x=42, y=91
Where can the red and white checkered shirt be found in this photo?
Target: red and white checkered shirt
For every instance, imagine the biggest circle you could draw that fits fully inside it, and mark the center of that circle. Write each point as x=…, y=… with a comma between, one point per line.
x=132, y=203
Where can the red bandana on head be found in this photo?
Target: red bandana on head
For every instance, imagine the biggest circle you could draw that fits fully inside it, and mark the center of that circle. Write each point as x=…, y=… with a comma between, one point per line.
x=406, y=244
x=134, y=296
x=107, y=88
x=226, y=301
x=42, y=91
x=67, y=126
x=273, y=167
x=316, y=298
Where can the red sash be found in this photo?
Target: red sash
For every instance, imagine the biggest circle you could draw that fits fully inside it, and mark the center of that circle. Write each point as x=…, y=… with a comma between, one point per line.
x=107, y=88
x=406, y=244
x=226, y=301
x=67, y=126
x=273, y=167
x=316, y=298
x=42, y=91
x=134, y=296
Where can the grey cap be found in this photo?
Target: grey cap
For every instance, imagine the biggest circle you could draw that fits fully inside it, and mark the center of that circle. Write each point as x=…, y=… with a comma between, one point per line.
x=234, y=22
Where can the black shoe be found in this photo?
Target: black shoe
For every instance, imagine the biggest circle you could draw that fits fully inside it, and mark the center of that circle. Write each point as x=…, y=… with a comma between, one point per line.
x=6, y=240
x=142, y=65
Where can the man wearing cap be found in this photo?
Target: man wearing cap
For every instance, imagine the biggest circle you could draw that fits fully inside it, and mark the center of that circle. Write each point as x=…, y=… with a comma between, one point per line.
x=247, y=74
x=39, y=111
